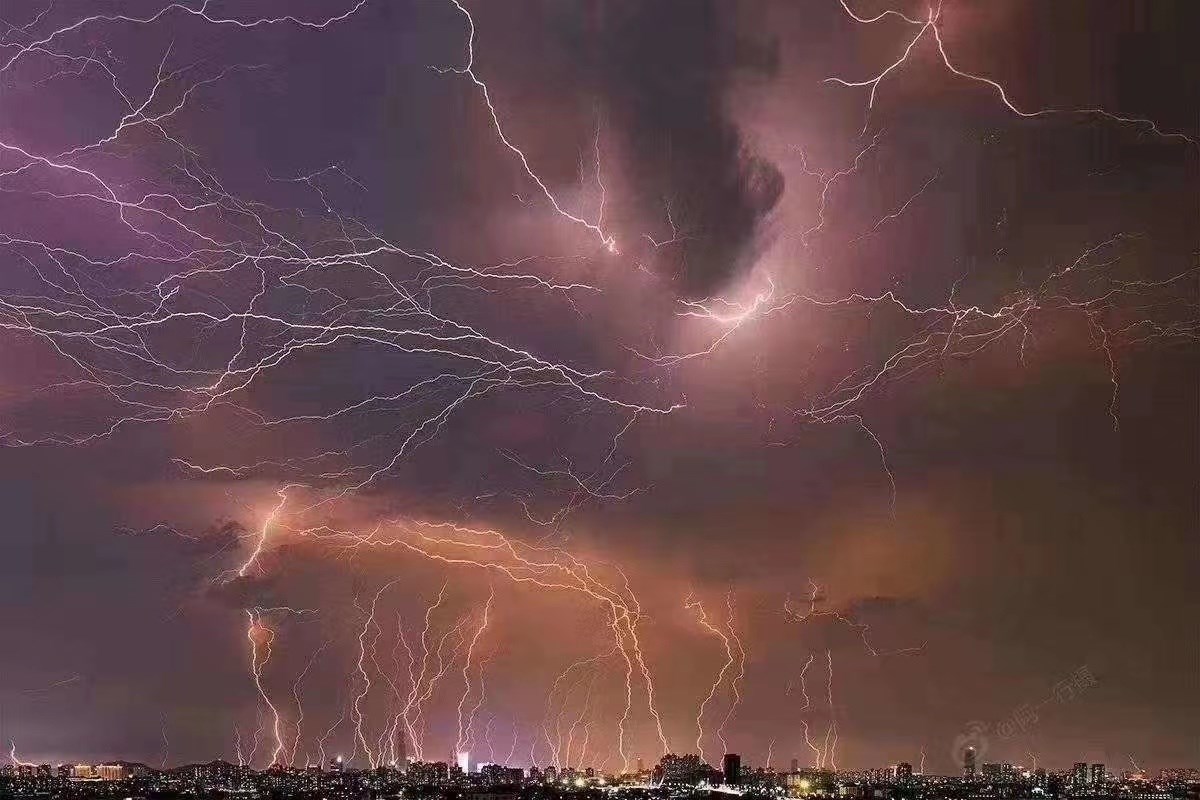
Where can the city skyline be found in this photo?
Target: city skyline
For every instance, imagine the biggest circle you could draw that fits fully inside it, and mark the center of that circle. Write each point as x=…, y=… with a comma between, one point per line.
x=672, y=777
x=682, y=768
x=583, y=382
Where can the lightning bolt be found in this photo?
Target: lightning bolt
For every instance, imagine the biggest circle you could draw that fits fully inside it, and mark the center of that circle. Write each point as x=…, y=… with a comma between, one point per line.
x=261, y=638
x=468, y=70
x=736, y=681
x=929, y=26
x=12, y=755
x=463, y=742
x=291, y=759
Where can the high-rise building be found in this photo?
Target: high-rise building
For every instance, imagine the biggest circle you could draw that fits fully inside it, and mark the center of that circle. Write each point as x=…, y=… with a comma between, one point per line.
x=795, y=765
x=424, y=773
x=83, y=772
x=731, y=769
x=463, y=760
x=495, y=774
x=969, y=762
x=902, y=772
x=1079, y=774
x=1097, y=775
x=686, y=769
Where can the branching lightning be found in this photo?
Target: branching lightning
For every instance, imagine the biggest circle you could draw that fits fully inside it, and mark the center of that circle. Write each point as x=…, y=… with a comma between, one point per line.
x=194, y=303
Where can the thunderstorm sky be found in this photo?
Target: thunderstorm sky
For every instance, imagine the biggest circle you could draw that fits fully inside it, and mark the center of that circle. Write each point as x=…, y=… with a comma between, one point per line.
x=629, y=316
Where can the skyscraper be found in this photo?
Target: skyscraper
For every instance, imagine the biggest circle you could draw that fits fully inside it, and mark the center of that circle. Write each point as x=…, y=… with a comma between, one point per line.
x=732, y=769
x=969, y=762
x=902, y=772
x=795, y=765
x=1079, y=774
x=1097, y=775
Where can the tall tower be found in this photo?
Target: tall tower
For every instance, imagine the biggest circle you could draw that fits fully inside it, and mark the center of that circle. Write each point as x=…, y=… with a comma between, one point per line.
x=969, y=762
x=732, y=769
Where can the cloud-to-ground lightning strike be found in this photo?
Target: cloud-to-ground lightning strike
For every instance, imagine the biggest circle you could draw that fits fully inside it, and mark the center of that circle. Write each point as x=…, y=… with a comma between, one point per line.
x=735, y=682
x=466, y=718
x=261, y=638
x=166, y=745
x=554, y=744
x=13, y=758
x=730, y=657
x=298, y=725
x=357, y=715
x=825, y=754
x=818, y=759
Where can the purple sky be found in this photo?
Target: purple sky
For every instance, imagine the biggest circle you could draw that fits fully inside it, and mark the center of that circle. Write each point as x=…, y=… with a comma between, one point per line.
x=634, y=322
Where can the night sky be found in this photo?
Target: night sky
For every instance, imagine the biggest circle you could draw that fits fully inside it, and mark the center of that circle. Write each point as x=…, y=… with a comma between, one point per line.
x=624, y=316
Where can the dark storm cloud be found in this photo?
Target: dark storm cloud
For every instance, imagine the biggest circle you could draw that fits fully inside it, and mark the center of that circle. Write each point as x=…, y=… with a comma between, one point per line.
x=664, y=71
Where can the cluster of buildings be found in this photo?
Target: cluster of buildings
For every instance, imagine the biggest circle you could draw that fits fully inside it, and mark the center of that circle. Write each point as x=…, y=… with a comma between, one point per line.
x=686, y=775
x=1082, y=779
x=73, y=772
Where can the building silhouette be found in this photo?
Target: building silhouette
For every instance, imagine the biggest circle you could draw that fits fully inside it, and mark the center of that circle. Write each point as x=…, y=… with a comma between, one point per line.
x=731, y=769
x=685, y=769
